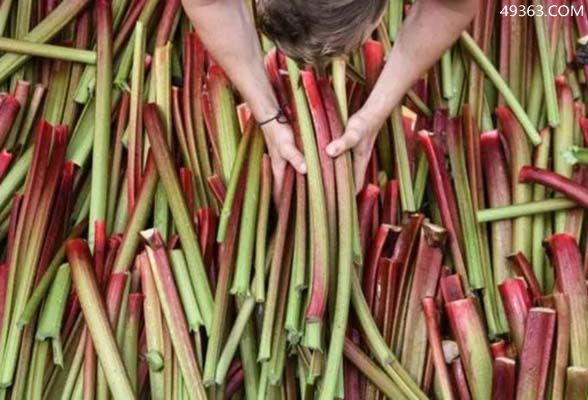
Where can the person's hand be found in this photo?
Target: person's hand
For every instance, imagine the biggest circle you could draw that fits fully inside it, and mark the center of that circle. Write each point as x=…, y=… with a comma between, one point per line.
x=360, y=135
x=282, y=149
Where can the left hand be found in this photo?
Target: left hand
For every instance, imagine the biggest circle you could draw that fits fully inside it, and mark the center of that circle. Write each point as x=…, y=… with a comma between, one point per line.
x=360, y=136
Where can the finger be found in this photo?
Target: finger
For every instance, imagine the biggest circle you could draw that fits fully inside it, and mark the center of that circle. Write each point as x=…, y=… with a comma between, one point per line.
x=278, y=169
x=344, y=143
x=360, y=164
x=294, y=157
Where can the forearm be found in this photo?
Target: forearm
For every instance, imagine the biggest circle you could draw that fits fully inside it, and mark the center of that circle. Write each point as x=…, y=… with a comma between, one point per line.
x=229, y=35
x=430, y=28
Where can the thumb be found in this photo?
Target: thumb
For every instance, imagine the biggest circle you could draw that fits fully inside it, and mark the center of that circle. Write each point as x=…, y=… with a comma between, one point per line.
x=344, y=143
x=294, y=157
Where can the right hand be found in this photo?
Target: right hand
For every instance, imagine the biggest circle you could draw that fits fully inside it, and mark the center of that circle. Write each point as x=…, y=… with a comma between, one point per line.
x=282, y=149
x=360, y=135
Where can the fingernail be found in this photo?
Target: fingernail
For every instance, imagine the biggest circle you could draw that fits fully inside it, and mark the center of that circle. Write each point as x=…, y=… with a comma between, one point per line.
x=303, y=168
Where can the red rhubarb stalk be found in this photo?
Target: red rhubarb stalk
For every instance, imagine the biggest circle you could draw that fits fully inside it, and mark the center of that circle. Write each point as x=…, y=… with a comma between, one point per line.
x=498, y=189
x=517, y=303
x=569, y=276
x=559, y=183
x=444, y=197
x=503, y=378
x=468, y=329
x=536, y=352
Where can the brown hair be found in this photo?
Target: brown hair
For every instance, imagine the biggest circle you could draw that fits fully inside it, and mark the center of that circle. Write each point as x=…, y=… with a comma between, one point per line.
x=311, y=31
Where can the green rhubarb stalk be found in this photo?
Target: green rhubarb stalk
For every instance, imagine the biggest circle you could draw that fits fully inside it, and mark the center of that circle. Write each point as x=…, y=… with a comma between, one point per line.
x=44, y=284
x=153, y=328
x=182, y=278
x=420, y=180
x=96, y=318
x=299, y=262
x=546, y=67
x=4, y=15
x=261, y=229
x=371, y=371
x=379, y=346
x=135, y=127
x=47, y=51
x=225, y=119
x=577, y=382
x=277, y=263
x=130, y=348
x=524, y=209
x=339, y=85
x=243, y=264
x=541, y=160
x=138, y=219
x=318, y=209
x=180, y=213
x=101, y=145
x=173, y=313
x=233, y=182
x=345, y=198
x=233, y=340
x=446, y=76
x=161, y=81
x=57, y=92
x=49, y=326
x=563, y=139
x=492, y=74
x=402, y=163
x=466, y=209
x=576, y=155
x=42, y=33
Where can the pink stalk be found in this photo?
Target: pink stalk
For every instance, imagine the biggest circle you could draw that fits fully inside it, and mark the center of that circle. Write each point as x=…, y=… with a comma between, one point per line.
x=499, y=349
x=499, y=195
x=503, y=379
x=562, y=346
x=390, y=214
x=427, y=270
x=372, y=261
x=517, y=302
x=520, y=154
x=322, y=131
x=368, y=202
x=445, y=197
x=185, y=176
x=451, y=288
x=207, y=224
x=569, y=275
x=431, y=317
x=461, y=382
x=8, y=112
x=216, y=185
x=235, y=382
x=100, y=242
x=557, y=182
x=535, y=355
x=379, y=299
x=407, y=240
x=124, y=31
x=5, y=160
x=166, y=21
x=523, y=268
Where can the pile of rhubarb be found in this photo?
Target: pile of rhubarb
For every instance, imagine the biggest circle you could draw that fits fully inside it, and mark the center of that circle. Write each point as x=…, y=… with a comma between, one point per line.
x=146, y=253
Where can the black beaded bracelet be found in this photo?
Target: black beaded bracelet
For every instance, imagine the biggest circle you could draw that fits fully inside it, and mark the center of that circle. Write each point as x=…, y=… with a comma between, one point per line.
x=280, y=117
